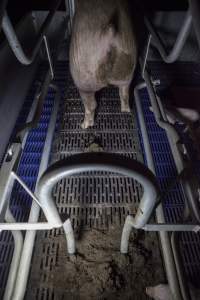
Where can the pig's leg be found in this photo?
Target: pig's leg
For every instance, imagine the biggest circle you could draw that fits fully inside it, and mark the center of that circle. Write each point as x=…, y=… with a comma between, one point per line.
x=90, y=106
x=124, y=98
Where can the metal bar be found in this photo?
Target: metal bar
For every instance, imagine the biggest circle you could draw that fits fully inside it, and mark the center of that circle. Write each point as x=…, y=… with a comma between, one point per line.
x=194, y=8
x=164, y=237
x=183, y=281
x=49, y=57
x=3, y=5
x=7, y=181
x=172, y=227
x=30, y=226
x=173, y=55
x=70, y=5
x=30, y=115
x=107, y=162
x=18, y=242
x=25, y=261
x=26, y=188
x=44, y=89
x=32, y=124
x=14, y=42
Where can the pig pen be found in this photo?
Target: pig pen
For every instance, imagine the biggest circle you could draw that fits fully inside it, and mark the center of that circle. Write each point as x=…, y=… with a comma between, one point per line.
x=97, y=203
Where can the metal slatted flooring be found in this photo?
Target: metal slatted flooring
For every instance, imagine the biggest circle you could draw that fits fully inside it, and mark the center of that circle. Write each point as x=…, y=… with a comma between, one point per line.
x=93, y=200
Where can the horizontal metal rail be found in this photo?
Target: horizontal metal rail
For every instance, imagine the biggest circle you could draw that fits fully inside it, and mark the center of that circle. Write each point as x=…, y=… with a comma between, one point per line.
x=172, y=227
x=173, y=55
x=15, y=43
x=3, y=5
x=106, y=162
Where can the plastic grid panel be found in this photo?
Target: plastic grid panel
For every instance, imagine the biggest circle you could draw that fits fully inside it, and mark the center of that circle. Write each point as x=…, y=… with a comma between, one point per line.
x=174, y=201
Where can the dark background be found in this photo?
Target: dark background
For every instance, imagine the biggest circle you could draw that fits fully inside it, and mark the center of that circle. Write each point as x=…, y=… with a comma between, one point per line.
x=18, y=8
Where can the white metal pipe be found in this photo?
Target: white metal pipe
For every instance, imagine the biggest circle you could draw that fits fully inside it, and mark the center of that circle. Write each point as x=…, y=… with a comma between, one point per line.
x=173, y=55
x=26, y=188
x=29, y=226
x=18, y=242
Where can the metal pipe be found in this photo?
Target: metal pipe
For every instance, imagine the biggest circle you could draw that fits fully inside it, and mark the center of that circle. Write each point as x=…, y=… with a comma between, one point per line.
x=18, y=242
x=25, y=261
x=107, y=162
x=3, y=5
x=31, y=226
x=172, y=227
x=179, y=266
x=32, y=124
x=174, y=141
x=173, y=55
x=25, y=188
x=164, y=237
x=14, y=42
x=194, y=8
x=44, y=89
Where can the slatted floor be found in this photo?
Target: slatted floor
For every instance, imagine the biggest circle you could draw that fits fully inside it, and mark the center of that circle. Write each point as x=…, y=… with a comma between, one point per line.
x=71, y=140
x=95, y=199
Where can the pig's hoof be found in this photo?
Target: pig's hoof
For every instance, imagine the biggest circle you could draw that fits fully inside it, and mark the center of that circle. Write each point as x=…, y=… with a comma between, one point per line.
x=126, y=109
x=87, y=123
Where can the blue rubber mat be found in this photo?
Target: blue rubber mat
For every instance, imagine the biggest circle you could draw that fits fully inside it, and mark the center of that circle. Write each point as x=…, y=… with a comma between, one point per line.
x=27, y=170
x=174, y=201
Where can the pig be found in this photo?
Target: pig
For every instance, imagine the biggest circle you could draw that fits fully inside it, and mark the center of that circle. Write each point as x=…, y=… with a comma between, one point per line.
x=103, y=51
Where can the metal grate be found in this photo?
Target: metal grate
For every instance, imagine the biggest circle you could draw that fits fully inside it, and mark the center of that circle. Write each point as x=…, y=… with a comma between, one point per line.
x=93, y=200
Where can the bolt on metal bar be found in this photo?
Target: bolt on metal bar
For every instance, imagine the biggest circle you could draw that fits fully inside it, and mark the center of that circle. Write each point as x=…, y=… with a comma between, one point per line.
x=173, y=55
x=14, y=42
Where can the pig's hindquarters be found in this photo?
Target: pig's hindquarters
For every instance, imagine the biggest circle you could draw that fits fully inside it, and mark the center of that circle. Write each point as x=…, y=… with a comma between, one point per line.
x=103, y=57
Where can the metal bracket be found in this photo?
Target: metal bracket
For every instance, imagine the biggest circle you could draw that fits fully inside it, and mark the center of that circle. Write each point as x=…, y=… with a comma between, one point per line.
x=14, y=42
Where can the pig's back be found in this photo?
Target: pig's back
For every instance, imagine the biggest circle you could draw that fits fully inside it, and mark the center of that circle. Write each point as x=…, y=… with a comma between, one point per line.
x=103, y=47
